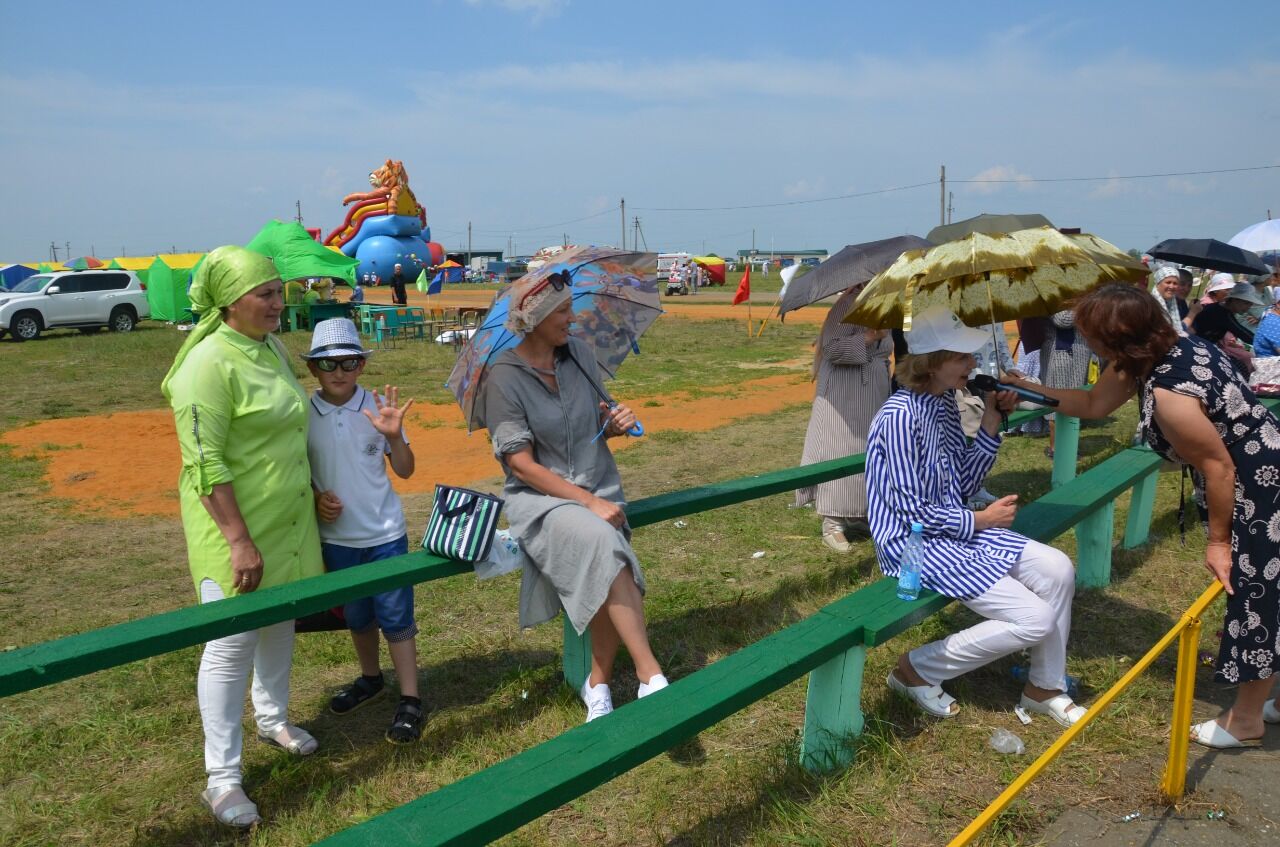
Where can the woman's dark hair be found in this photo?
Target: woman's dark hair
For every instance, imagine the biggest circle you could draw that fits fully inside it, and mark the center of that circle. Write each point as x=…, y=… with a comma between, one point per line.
x=1132, y=325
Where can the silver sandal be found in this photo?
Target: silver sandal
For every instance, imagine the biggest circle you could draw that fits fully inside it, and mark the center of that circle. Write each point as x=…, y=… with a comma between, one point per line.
x=239, y=812
x=300, y=743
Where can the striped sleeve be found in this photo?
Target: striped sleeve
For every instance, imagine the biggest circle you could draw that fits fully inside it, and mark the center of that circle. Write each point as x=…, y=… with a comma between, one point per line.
x=901, y=484
x=976, y=461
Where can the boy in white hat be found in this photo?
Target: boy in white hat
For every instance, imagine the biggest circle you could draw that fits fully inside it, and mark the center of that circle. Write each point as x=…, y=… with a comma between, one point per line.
x=361, y=519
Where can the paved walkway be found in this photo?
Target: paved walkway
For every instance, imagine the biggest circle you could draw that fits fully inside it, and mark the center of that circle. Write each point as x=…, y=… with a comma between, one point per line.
x=1244, y=785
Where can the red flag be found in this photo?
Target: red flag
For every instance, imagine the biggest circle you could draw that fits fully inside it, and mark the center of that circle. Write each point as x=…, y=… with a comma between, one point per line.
x=744, y=287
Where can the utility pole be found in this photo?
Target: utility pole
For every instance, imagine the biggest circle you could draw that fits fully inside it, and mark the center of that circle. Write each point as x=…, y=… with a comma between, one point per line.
x=622, y=204
x=298, y=205
x=951, y=204
x=468, y=245
x=942, y=197
x=510, y=254
x=640, y=232
x=53, y=251
x=67, y=256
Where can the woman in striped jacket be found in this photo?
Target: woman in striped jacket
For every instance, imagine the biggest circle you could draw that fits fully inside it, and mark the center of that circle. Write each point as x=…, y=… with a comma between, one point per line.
x=920, y=469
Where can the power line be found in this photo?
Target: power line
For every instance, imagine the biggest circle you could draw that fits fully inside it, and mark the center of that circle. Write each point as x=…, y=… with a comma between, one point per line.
x=1129, y=176
x=783, y=203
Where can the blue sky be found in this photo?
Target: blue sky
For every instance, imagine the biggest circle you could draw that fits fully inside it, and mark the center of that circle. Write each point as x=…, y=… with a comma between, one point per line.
x=147, y=126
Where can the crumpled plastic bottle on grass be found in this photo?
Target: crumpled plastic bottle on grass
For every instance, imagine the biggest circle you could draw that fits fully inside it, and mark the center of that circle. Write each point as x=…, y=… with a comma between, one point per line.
x=1004, y=741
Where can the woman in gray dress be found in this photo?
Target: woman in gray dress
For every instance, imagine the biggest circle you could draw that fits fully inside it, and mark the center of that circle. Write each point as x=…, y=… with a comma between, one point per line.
x=851, y=366
x=563, y=494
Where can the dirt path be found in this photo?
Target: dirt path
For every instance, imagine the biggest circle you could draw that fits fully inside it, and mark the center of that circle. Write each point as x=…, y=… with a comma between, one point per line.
x=126, y=464
x=683, y=307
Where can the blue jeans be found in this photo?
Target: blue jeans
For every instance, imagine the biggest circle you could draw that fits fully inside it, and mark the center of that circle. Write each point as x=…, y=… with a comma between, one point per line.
x=391, y=610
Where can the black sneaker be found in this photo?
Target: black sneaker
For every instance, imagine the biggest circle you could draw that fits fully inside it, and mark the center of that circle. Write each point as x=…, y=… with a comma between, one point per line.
x=406, y=726
x=356, y=695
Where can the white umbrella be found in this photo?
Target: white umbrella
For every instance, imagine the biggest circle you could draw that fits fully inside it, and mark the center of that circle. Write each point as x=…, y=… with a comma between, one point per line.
x=1263, y=237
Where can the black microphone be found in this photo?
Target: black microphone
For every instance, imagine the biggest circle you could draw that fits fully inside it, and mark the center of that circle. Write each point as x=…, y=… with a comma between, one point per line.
x=983, y=383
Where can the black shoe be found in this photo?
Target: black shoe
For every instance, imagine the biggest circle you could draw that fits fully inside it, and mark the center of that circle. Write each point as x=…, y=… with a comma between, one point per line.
x=356, y=695
x=406, y=726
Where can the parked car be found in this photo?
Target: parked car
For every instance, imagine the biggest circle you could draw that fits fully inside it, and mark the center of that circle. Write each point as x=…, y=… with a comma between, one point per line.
x=83, y=300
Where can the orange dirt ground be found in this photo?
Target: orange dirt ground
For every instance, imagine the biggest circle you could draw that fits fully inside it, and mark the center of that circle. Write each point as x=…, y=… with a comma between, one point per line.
x=126, y=464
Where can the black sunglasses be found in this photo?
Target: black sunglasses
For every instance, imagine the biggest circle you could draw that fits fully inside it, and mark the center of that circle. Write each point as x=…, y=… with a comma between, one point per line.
x=558, y=280
x=331, y=365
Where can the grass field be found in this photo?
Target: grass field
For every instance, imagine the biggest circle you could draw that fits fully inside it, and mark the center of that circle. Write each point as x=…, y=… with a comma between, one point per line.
x=115, y=758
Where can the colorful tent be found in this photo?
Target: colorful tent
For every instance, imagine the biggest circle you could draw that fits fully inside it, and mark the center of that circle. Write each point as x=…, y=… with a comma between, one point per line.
x=453, y=272
x=298, y=256
x=714, y=266
x=50, y=267
x=167, y=280
x=11, y=275
x=138, y=264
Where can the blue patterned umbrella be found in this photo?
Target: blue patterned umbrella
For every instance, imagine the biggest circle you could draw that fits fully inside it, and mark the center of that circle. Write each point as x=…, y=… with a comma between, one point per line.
x=615, y=299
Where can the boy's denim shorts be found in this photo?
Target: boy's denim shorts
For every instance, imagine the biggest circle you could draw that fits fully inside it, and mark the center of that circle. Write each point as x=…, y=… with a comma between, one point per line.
x=391, y=610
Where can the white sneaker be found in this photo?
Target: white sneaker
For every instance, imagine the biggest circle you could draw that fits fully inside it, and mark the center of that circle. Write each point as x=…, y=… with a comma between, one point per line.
x=598, y=698
x=657, y=682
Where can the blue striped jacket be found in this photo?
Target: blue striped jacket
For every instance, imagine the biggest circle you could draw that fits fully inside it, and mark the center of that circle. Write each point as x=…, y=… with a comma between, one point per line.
x=921, y=468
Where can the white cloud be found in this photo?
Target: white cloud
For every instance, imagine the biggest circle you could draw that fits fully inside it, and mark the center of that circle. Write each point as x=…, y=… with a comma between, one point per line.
x=997, y=178
x=538, y=9
x=804, y=188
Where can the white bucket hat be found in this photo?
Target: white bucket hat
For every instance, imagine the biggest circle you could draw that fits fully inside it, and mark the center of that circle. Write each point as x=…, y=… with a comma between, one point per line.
x=335, y=338
x=937, y=328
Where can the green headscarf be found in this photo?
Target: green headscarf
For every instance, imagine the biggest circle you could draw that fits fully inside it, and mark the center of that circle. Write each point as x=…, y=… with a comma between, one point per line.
x=225, y=275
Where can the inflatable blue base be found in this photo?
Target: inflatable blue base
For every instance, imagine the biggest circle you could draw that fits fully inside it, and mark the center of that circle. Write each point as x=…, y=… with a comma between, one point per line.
x=388, y=240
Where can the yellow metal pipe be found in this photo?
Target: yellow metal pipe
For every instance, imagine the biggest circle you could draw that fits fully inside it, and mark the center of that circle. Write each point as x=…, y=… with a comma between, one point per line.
x=1184, y=689
x=1015, y=788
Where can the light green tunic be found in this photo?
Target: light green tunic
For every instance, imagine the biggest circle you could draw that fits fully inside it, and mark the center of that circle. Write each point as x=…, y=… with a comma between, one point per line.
x=242, y=418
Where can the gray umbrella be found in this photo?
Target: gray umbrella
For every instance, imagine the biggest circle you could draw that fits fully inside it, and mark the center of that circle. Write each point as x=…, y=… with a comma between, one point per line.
x=853, y=265
x=985, y=223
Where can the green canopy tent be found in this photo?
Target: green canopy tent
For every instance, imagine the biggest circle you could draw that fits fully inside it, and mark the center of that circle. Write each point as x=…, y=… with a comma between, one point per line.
x=167, y=281
x=297, y=255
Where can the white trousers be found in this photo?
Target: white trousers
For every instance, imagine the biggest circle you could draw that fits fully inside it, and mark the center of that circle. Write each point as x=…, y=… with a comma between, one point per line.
x=1029, y=608
x=224, y=675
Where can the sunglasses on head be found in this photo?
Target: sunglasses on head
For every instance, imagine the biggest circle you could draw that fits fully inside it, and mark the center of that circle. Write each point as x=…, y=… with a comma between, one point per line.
x=331, y=365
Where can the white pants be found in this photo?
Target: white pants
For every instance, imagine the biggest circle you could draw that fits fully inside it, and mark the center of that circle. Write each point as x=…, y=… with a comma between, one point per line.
x=224, y=675
x=1030, y=608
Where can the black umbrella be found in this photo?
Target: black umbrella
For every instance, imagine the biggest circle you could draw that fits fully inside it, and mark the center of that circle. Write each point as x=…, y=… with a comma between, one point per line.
x=1209, y=253
x=853, y=265
x=985, y=223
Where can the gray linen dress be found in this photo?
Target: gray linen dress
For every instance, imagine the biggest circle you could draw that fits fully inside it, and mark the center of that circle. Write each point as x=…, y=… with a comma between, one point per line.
x=573, y=554
x=853, y=383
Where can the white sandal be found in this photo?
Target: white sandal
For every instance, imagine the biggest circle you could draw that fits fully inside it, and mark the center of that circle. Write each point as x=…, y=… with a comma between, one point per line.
x=930, y=698
x=1270, y=714
x=297, y=740
x=235, y=811
x=1211, y=734
x=1059, y=707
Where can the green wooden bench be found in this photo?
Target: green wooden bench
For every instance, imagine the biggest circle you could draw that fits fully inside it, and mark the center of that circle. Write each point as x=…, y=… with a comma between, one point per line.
x=65, y=658
x=76, y=655
x=830, y=646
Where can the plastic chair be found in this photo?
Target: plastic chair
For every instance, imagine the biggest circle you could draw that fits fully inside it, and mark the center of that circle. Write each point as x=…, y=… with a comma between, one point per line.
x=384, y=333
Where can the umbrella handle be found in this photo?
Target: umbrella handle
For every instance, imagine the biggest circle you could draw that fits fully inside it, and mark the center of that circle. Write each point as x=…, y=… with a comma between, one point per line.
x=635, y=431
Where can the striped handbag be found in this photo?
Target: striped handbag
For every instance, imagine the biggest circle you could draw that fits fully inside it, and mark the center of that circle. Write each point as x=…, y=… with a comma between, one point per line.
x=462, y=524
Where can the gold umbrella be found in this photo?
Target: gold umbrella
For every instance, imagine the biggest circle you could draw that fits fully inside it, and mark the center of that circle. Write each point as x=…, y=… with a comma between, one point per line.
x=991, y=277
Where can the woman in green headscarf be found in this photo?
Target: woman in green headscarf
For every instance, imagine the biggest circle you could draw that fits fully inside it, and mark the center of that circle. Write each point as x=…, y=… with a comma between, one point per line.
x=247, y=504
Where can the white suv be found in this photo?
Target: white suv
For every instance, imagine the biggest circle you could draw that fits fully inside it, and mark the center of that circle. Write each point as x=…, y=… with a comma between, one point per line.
x=84, y=300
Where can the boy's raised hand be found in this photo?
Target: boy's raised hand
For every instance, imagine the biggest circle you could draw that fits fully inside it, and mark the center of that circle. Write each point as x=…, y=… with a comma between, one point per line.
x=390, y=417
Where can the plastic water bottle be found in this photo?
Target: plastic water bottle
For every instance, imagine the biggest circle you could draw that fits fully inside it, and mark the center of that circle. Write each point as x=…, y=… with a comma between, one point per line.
x=1004, y=741
x=910, y=564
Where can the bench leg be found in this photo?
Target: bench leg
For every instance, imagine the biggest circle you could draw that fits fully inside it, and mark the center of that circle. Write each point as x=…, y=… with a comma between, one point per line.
x=1093, y=546
x=833, y=712
x=1137, y=528
x=1066, y=448
x=577, y=656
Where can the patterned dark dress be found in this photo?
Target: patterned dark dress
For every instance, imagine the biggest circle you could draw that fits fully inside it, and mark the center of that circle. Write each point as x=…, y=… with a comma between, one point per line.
x=1251, y=632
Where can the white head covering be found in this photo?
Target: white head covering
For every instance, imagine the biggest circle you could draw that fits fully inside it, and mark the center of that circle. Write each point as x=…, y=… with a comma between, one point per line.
x=1220, y=282
x=1164, y=272
x=533, y=297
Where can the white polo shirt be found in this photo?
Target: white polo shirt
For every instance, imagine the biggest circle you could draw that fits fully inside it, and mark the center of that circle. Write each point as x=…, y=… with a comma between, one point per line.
x=347, y=458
